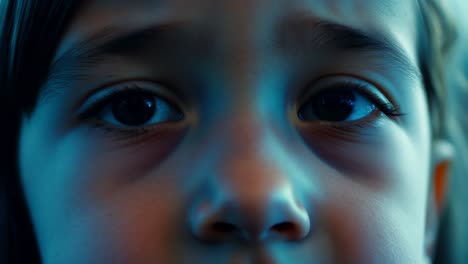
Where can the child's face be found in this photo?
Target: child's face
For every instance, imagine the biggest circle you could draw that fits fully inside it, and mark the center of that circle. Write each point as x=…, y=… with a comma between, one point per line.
x=271, y=136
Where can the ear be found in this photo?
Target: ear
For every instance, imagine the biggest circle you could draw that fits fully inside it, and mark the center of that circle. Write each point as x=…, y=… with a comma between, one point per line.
x=442, y=156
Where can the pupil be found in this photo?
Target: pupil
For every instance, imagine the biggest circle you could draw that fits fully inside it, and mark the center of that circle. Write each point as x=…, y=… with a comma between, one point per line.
x=334, y=105
x=133, y=109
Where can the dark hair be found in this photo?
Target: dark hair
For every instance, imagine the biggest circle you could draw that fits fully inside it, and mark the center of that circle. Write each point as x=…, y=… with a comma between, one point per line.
x=30, y=31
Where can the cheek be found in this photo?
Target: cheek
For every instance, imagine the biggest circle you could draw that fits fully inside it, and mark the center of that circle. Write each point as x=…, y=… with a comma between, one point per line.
x=384, y=158
x=93, y=201
x=135, y=225
x=376, y=188
x=367, y=228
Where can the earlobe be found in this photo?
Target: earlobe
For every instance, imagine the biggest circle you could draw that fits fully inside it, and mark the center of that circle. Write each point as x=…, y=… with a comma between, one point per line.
x=442, y=156
x=440, y=179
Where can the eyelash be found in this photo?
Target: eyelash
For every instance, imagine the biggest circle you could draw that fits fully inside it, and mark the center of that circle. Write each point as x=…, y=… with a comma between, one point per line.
x=385, y=107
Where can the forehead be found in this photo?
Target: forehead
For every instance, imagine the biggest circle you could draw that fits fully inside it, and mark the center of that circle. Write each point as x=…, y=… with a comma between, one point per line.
x=395, y=18
x=391, y=7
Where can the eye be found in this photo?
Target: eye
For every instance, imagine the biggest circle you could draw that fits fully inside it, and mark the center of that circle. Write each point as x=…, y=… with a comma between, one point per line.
x=336, y=106
x=345, y=102
x=132, y=107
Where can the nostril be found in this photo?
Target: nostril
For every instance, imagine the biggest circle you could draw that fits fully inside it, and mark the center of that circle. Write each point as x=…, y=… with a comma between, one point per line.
x=283, y=227
x=289, y=230
x=223, y=227
x=217, y=232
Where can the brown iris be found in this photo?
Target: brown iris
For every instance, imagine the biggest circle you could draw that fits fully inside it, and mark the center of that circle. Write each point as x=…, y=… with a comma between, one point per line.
x=133, y=109
x=332, y=105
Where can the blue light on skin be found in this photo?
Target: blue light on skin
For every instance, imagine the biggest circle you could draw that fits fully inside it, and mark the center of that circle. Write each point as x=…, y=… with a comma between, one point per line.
x=241, y=178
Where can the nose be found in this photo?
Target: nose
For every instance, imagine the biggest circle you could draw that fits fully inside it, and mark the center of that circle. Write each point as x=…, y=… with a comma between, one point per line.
x=255, y=218
x=251, y=187
x=251, y=197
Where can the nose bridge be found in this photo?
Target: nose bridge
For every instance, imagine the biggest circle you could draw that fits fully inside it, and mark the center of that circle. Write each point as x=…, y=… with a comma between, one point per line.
x=250, y=177
x=251, y=155
x=243, y=132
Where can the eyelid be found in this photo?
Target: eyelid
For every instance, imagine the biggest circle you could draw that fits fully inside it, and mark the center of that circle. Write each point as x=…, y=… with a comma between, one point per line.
x=99, y=97
x=366, y=89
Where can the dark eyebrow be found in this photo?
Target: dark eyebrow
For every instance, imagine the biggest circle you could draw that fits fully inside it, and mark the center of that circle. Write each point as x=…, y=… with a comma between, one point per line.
x=163, y=39
x=116, y=41
x=307, y=34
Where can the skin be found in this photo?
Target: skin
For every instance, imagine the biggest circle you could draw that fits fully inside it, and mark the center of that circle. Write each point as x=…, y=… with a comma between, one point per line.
x=240, y=179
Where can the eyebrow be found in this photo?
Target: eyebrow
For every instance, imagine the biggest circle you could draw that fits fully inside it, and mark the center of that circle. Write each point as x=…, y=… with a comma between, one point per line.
x=112, y=40
x=307, y=34
x=301, y=35
x=76, y=61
